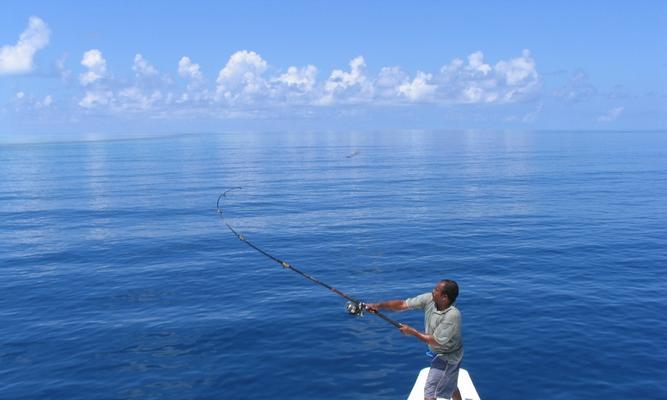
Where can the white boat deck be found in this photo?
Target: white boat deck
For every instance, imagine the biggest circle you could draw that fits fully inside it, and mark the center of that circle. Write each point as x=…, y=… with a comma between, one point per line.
x=467, y=389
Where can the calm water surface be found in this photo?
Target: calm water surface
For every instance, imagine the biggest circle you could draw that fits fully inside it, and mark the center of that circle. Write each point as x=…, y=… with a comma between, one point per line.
x=119, y=281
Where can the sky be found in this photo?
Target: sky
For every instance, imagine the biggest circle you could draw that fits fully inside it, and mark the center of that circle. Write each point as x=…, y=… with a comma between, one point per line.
x=75, y=68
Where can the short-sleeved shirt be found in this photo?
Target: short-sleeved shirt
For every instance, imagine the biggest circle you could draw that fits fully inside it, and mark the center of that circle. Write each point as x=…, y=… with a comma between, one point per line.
x=444, y=326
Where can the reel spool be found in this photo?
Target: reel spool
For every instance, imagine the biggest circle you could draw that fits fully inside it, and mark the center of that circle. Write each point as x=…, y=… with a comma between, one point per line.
x=356, y=309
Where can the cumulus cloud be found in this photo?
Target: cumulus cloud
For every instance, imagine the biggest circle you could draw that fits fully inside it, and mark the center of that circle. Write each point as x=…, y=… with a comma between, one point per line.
x=18, y=58
x=388, y=81
x=507, y=81
x=187, y=69
x=517, y=71
x=343, y=80
x=96, y=65
x=302, y=79
x=111, y=95
x=475, y=82
x=419, y=88
x=142, y=67
x=611, y=115
x=476, y=63
x=247, y=85
x=134, y=99
x=195, y=90
x=352, y=86
x=241, y=78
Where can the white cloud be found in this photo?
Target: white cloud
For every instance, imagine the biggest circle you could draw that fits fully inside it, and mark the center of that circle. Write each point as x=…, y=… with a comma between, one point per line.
x=18, y=58
x=353, y=86
x=111, y=96
x=249, y=87
x=342, y=80
x=517, y=71
x=133, y=99
x=507, y=81
x=20, y=95
x=187, y=69
x=241, y=78
x=96, y=64
x=390, y=77
x=419, y=89
x=142, y=67
x=387, y=85
x=611, y=115
x=452, y=68
x=303, y=79
x=195, y=90
x=476, y=63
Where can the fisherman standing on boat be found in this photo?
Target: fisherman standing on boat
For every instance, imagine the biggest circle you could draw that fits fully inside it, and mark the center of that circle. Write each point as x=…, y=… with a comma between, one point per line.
x=442, y=322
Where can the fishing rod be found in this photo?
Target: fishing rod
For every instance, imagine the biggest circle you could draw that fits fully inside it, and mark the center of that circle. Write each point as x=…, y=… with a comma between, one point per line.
x=353, y=306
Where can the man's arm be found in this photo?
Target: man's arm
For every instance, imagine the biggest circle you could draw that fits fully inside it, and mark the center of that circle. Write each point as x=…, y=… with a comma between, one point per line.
x=428, y=339
x=391, y=305
x=402, y=305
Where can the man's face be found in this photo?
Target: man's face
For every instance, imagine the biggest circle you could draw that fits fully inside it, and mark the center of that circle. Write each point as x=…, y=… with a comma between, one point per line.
x=439, y=298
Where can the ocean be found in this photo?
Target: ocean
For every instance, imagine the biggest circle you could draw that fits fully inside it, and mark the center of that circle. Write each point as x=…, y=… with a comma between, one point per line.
x=118, y=279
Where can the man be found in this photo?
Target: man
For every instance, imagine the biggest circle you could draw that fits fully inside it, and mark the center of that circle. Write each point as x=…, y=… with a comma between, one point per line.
x=442, y=321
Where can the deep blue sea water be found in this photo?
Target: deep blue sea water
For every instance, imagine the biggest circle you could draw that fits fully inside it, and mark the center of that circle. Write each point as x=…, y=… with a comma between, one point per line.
x=118, y=280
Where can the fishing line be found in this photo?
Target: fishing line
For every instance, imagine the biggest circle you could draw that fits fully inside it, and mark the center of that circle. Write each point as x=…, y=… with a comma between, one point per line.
x=353, y=307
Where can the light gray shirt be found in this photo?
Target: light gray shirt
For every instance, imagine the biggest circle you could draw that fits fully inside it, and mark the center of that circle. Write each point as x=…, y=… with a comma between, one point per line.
x=444, y=326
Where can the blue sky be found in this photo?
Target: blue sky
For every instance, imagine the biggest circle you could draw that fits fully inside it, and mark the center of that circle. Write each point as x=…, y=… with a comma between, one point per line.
x=73, y=68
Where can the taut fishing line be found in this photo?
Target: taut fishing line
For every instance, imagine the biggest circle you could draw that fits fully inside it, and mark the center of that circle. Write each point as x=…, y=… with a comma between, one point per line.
x=353, y=306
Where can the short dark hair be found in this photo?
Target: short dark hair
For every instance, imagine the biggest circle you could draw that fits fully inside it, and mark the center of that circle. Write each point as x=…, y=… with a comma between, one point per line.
x=451, y=289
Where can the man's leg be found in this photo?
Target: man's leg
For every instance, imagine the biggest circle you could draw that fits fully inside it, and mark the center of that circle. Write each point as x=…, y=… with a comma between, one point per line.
x=455, y=396
x=435, y=376
x=442, y=380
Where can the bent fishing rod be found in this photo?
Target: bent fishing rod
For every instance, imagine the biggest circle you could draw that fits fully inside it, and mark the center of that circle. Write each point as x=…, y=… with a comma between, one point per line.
x=353, y=307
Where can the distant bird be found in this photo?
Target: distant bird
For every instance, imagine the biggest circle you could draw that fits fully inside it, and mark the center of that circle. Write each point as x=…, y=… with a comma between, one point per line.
x=355, y=153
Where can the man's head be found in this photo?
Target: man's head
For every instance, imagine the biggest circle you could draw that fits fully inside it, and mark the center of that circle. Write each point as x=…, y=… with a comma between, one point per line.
x=445, y=293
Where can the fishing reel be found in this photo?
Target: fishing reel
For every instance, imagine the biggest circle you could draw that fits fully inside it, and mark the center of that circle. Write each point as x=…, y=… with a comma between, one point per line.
x=356, y=309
